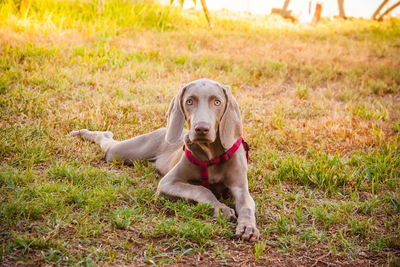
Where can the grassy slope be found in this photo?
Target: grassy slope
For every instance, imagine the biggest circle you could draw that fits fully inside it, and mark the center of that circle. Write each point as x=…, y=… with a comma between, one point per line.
x=321, y=110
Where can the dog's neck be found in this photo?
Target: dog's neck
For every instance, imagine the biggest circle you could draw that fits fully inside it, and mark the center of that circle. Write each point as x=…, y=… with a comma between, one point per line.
x=205, y=151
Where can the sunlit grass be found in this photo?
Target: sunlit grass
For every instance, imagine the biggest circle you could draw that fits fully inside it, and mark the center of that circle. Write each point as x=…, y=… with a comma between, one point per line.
x=320, y=111
x=47, y=15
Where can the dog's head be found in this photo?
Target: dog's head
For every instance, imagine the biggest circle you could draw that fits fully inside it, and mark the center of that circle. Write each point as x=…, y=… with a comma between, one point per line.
x=210, y=110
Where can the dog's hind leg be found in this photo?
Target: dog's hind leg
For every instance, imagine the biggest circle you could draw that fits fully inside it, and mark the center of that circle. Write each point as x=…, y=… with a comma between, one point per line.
x=145, y=146
x=104, y=139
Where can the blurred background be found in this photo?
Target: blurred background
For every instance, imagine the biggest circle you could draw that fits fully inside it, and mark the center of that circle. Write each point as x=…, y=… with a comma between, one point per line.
x=353, y=8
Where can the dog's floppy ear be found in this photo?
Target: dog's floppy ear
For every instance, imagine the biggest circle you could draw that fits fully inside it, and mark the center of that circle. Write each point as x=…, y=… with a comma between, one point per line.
x=230, y=126
x=175, y=118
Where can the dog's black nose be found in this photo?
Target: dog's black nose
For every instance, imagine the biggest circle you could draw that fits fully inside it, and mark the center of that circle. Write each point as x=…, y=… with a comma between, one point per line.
x=202, y=128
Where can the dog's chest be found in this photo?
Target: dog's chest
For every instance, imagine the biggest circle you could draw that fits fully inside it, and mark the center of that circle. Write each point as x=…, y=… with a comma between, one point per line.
x=215, y=174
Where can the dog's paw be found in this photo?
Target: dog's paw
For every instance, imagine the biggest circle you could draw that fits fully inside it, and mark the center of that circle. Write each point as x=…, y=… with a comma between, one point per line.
x=73, y=133
x=225, y=211
x=247, y=231
x=79, y=133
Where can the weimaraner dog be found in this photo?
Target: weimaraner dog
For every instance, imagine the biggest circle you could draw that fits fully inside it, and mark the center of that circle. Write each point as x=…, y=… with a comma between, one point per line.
x=215, y=129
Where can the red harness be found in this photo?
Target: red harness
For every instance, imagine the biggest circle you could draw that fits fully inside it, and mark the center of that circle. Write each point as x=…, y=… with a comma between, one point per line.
x=224, y=157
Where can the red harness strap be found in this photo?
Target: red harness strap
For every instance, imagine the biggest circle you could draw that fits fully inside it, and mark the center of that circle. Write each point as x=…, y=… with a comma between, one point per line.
x=224, y=157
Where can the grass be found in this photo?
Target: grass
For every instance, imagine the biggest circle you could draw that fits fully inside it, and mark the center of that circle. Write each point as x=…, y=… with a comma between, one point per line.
x=320, y=110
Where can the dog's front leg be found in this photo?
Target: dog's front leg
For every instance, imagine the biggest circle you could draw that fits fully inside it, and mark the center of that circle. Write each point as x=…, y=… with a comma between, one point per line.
x=245, y=208
x=174, y=184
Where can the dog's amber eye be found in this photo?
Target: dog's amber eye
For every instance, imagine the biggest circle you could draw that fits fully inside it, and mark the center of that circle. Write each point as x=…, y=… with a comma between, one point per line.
x=189, y=101
x=217, y=102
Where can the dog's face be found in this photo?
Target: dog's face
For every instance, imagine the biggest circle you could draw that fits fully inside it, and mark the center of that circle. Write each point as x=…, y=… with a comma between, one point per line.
x=203, y=104
x=210, y=110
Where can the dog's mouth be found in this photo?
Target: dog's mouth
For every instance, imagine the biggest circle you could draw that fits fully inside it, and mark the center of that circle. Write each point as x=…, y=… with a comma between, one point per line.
x=198, y=139
x=201, y=140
